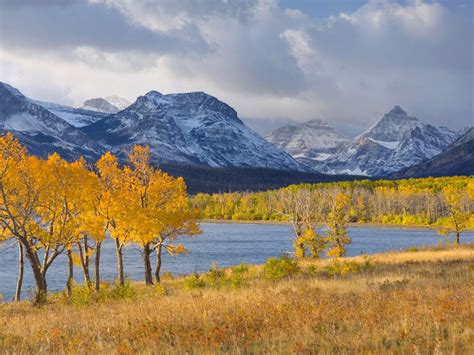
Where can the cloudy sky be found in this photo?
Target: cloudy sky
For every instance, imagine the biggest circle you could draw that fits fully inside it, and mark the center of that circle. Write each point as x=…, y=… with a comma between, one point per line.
x=275, y=62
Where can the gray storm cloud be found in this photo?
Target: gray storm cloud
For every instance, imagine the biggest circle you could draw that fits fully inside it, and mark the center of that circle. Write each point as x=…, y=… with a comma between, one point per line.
x=271, y=63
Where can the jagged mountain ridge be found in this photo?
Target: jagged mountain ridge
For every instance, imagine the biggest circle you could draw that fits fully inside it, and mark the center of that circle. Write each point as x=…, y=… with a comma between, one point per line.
x=198, y=129
x=191, y=128
x=77, y=117
x=457, y=159
x=312, y=140
x=40, y=130
x=394, y=142
x=109, y=104
x=92, y=110
x=100, y=105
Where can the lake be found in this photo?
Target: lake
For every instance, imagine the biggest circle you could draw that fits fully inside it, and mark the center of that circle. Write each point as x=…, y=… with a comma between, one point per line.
x=223, y=243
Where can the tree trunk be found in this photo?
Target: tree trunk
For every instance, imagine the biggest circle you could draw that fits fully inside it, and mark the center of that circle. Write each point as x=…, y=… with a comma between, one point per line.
x=21, y=268
x=40, y=276
x=457, y=238
x=70, y=276
x=158, y=263
x=147, y=264
x=97, y=265
x=84, y=261
x=118, y=249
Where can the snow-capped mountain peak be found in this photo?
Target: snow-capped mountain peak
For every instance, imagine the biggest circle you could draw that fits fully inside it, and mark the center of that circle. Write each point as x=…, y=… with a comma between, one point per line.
x=394, y=142
x=153, y=94
x=109, y=104
x=119, y=102
x=99, y=104
x=394, y=126
x=309, y=142
x=39, y=129
x=189, y=128
x=11, y=90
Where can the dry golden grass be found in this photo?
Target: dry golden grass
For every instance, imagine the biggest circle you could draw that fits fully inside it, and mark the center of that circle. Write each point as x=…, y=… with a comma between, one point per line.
x=404, y=302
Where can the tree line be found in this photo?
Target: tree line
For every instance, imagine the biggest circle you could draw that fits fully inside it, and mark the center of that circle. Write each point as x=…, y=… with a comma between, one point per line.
x=51, y=206
x=446, y=203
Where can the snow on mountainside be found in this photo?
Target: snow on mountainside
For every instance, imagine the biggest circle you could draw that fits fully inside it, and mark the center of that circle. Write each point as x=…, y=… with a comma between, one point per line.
x=119, y=102
x=191, y=128
x=39, y=129
x=100, y=105
x=313, y=140
x=78, y=117
x=457, y=159
x=198, y=129
x=396, y=141
x=110, y=104
x=92, y=110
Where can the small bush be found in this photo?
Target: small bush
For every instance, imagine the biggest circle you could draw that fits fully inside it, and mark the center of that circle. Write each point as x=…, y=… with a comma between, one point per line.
x=84, y=295
x=240, y=269
x=167, y=276
x=237, y=278
x=412, y=249
x=277, y=269
x=311, y=270
x=119, y=292
x=81, y=295
x=193, y=282
x=337, y=268
x=160, y=290
x=215, y=277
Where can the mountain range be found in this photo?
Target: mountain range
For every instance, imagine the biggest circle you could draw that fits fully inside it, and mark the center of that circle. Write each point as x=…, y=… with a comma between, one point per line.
x=192, y=128
x=457, y=159
x=40, y=130
x=313, y=140
x=396, y=141
x=196, y=129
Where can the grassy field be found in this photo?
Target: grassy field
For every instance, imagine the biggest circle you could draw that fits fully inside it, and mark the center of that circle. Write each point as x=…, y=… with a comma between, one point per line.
x=418, y=301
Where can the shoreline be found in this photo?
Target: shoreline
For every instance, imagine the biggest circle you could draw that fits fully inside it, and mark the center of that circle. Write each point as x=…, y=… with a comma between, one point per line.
x=353, y=225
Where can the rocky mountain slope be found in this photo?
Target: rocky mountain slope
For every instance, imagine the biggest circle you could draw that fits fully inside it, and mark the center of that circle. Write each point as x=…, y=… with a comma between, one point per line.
x=395, y=142
x=197, y=129
x=192, y=128
x=77, y=117
x=40, y=130
x=310, y=142
x=457, y=159
x=109, y=104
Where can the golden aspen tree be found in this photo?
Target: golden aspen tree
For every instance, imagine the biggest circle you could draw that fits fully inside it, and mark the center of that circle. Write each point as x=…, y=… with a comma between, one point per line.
x=457, y=220
x=95, y=226
x=106, y=205
x=60, y=212
x=302, y=210
x=111, y=205
x=11, y=153
x=337, y=236
x=156, y=208
x=23, y=188
x=174, y=219
x=86, y=189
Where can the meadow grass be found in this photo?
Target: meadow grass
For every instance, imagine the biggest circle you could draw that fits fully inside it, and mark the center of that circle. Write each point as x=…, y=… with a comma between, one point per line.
x=414, y=301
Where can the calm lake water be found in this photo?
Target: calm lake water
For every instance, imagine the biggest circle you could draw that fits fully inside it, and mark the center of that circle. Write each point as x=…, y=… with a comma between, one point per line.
x=225, y=244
